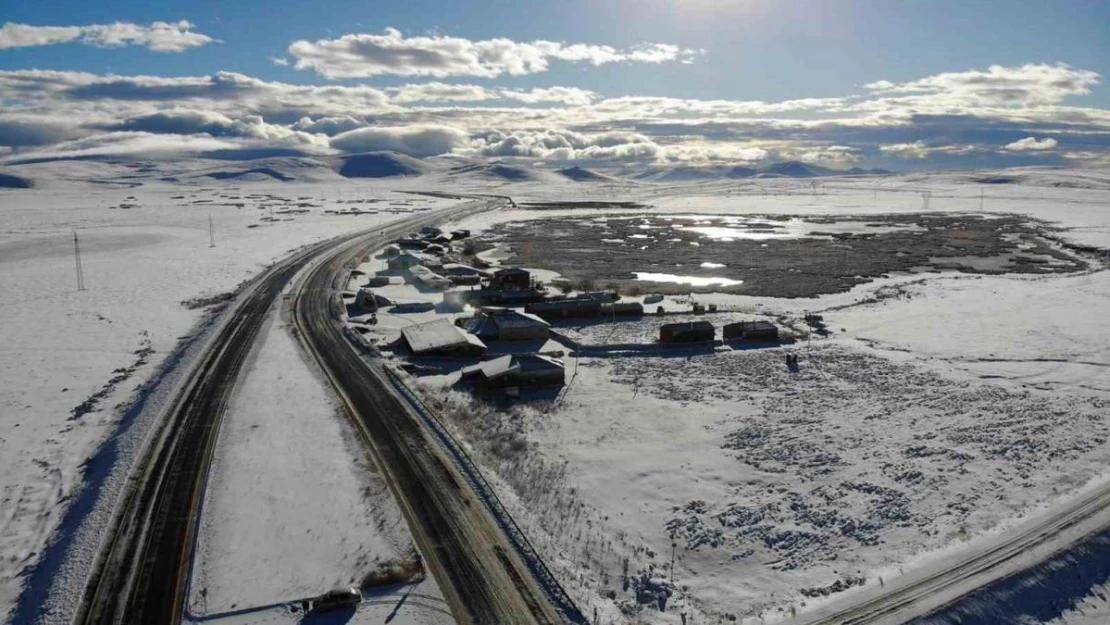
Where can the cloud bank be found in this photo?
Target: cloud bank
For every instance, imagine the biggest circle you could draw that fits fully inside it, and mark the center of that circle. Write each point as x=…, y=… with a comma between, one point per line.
x=157, y=36
x=391, y=52
x=1001, y=115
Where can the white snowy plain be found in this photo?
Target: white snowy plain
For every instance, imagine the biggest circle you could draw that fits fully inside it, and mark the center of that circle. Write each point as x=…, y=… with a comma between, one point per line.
x=944, y=409
x=63, y=347
x=928, y=420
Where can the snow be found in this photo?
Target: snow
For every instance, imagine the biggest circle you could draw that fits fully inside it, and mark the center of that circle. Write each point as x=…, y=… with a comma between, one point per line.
x=945, y=406
x=294, y=505
x=62, y=347
x=944, y=409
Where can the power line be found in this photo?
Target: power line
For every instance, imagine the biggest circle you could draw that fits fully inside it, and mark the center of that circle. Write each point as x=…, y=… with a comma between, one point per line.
x=77, y=260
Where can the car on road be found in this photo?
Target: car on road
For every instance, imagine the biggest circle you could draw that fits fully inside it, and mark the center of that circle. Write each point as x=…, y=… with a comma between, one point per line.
x=337, y=599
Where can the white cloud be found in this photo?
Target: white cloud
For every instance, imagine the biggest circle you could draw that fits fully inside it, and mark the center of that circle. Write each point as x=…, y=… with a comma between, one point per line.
x=280, y=61
x=440, y=92
x=1027, y=85
x=157, y=36
x=917, y=149
x=570, y=96
x=417, y=140
x=1032, y=144
x=391, y=52
x=923, y=125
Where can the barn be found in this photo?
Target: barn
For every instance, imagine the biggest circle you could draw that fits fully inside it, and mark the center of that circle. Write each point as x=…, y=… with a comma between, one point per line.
x=687, y=332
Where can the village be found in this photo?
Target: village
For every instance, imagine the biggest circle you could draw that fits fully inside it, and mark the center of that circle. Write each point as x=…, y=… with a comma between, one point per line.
x=503, y=331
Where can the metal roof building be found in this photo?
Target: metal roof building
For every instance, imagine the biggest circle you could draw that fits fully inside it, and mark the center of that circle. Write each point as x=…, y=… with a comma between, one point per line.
x=505, y=324
x=531, y=370
x=441, y=338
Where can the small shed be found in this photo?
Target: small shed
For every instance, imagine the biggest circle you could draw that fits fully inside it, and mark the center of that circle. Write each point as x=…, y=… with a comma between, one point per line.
x=751, y=331
x=405, y=261
x=441, y=338
x=528, y=371
x=687, y=332
x=511, y=279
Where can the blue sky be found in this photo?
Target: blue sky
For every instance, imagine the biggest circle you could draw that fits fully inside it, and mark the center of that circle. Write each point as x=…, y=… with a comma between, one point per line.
x=705, y=51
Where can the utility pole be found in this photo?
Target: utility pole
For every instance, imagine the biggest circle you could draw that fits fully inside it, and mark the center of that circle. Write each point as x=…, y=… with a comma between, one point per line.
x=77, y=259
x=982, y=192
x=211, y=232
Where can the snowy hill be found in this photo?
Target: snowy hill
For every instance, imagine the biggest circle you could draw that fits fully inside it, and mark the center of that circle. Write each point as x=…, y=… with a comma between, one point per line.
x=380, y=165
x=9, y=181
x=581, y=174
x=494, y=171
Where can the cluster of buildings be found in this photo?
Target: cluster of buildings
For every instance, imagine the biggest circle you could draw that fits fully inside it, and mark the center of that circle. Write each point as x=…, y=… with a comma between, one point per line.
x=512, y=306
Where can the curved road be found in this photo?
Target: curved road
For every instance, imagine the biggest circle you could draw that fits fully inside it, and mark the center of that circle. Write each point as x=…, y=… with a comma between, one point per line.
x=481, y=573
x=142, y=572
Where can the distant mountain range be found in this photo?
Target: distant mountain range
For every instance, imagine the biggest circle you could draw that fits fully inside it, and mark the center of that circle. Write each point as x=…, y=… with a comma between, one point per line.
x=286, y=168
x=786, y=169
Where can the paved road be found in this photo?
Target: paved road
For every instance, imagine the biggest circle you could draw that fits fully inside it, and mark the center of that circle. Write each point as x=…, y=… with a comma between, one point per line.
x=141, y=574
x=482, y=575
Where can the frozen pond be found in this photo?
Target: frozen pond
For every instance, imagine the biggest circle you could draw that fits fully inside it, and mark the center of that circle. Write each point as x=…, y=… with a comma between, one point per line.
x=733, y=228
x=691, y=280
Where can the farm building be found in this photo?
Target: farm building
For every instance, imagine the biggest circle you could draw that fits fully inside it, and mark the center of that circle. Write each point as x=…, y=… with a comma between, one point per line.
x=561, y=308
x=380, y=281
x=687, y=332
x=456, y=269
x=622, y=308
x=504, y=324
x=412, y=307
x=440, y=338
x=428, y=278
x=751, y=331
x=529, y=371
x=410, y=243
x=405, y=261
x=465, y=280
x=511, y=279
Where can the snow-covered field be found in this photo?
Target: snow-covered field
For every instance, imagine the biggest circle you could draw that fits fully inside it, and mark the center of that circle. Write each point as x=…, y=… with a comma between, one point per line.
x=73, y=360
x=295, y=506
x=943, y=408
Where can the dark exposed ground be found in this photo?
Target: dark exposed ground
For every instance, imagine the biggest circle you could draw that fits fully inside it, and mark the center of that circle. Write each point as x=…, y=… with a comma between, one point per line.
x=826, y=262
